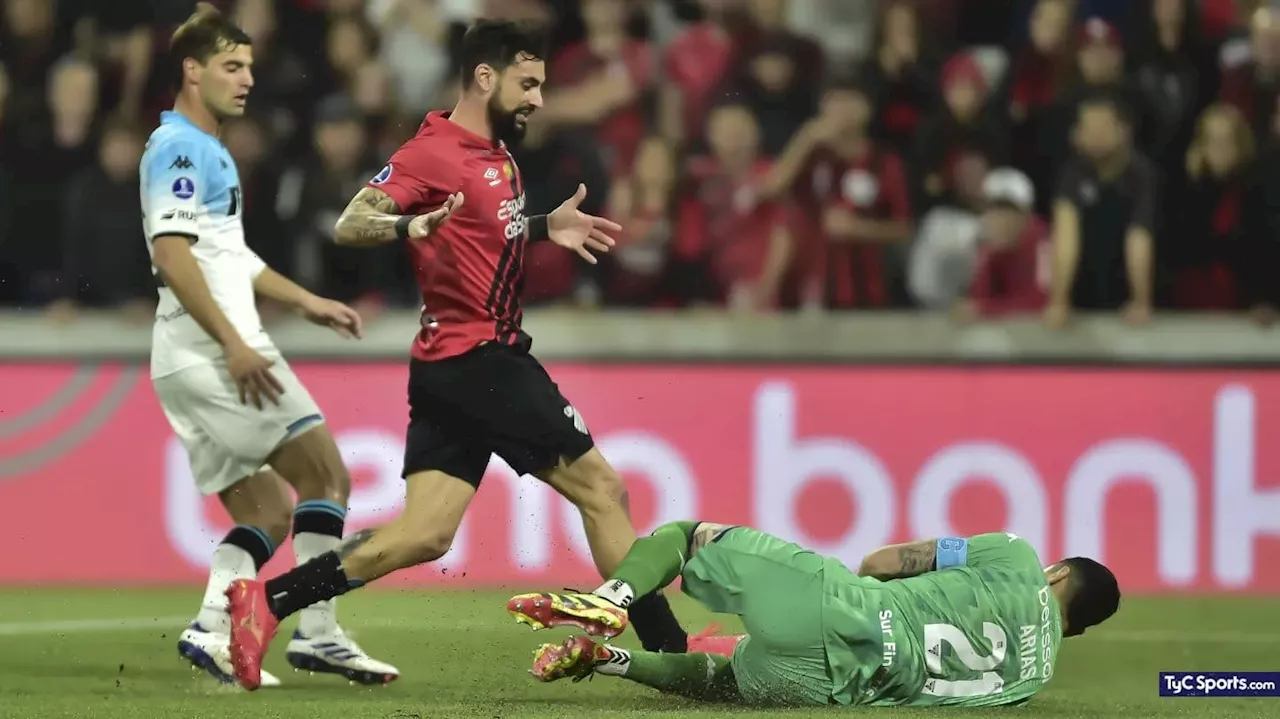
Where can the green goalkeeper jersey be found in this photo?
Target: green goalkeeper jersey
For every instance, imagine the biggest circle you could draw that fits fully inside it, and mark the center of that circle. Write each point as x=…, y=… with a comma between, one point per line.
x=983, y=629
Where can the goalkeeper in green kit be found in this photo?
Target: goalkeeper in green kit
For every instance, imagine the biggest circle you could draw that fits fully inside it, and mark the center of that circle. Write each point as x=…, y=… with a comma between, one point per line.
x=943, y=622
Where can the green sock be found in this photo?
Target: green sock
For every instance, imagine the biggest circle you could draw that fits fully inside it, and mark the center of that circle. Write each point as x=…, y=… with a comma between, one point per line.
x=704, y=677
x=653, y=562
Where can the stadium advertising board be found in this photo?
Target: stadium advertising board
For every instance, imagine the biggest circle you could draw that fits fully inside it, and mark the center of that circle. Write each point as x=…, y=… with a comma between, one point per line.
x=1168, y=476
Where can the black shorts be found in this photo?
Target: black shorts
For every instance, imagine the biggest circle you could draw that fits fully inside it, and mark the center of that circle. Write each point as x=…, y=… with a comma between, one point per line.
x=494, y=399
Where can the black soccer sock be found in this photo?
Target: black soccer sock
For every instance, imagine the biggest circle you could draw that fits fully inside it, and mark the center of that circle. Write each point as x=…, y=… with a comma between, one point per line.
x=254, y=541
x=656, y=625
x=317, y=529
x=320, y=579
x=319, y=516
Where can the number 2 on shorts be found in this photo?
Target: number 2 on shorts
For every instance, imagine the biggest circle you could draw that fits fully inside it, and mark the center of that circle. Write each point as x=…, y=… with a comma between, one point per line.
x=989, y=681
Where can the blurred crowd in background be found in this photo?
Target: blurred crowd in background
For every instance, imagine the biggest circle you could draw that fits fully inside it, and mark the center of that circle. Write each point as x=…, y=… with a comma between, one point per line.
x=983, y=157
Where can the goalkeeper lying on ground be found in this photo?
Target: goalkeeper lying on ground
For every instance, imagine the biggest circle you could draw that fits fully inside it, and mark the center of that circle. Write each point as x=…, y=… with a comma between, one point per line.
x=959, y=622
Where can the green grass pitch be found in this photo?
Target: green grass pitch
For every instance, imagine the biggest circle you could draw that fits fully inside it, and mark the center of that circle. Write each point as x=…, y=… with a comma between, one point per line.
x=110, y=654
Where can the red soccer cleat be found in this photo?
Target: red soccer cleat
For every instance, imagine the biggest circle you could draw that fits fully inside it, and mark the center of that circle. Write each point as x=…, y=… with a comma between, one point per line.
x=593, y=615
x=252, y=627
x=708, y=641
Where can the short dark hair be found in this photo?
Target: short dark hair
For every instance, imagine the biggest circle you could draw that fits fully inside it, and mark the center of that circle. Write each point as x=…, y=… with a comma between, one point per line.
x=1109, y=99
x=1093, y=594
x=206, y=33
x=499, y=44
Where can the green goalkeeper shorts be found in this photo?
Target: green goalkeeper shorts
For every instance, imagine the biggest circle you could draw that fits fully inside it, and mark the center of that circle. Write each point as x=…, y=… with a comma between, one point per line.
x=776, y=588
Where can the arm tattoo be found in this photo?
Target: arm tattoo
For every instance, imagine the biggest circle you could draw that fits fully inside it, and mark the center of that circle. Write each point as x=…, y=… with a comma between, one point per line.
x=370, y=219
x=352, y=543
x=917, y=558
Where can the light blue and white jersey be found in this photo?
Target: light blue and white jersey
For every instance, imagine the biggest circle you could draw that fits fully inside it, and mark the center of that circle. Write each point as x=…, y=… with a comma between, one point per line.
x=190, y=188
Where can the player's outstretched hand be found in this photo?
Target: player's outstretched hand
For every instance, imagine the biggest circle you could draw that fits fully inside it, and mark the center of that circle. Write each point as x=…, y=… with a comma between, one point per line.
x=424, y=225
x=252, y=374
x=335, y=315
x=575, y=230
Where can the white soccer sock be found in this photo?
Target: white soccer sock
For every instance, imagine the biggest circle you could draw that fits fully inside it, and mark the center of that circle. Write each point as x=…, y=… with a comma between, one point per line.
x=320, y=618
x=618, y=664
x=229, y=564
x=617, y=592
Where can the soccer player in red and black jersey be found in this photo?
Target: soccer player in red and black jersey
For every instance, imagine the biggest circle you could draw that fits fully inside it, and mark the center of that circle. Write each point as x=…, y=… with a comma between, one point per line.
x=454, y=195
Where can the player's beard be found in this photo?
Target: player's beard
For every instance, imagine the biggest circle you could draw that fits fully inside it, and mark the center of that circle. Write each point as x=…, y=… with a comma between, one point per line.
x=503, y=122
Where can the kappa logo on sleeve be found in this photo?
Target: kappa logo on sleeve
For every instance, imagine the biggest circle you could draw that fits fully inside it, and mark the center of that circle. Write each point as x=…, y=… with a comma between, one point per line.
x=382, y=176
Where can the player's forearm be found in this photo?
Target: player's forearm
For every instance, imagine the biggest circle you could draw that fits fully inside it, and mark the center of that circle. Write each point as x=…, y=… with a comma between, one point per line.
x=365, y=227
x=275, y=286
x=371, y=218
x=183, y=276
x=899, y=561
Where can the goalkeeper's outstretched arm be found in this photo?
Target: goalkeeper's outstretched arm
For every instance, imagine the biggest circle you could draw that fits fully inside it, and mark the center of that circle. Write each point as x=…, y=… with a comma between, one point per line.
x=899, y=561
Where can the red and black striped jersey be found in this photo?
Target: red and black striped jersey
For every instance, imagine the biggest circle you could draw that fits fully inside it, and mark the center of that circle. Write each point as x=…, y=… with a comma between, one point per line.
x=471, y=270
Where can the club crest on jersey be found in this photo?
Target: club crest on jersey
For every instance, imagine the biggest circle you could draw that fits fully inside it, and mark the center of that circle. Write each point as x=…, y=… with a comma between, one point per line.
x=382, y=176
x=184, y=188
x=508, y=171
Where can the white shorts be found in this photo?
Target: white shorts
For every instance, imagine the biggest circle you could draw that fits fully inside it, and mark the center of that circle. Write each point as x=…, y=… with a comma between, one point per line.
x=227, y=441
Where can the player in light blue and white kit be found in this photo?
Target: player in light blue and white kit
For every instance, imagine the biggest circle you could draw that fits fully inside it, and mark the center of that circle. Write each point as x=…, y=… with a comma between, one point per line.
x=250, y=428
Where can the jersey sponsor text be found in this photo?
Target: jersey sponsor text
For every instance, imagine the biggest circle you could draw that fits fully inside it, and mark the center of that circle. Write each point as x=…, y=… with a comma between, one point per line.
x=886, y=629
